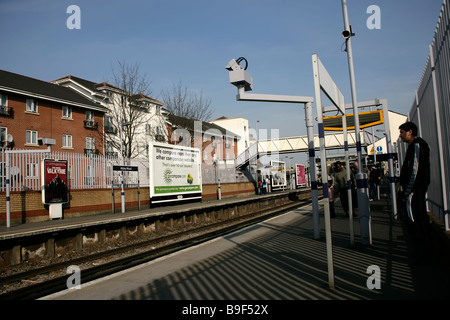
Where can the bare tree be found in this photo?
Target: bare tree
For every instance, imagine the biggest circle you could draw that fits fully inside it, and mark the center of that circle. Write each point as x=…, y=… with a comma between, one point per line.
x=130, y=107
x=187, y=104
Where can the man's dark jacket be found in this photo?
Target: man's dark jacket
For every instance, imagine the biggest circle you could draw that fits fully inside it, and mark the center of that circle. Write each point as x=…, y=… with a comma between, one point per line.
x=415, y=173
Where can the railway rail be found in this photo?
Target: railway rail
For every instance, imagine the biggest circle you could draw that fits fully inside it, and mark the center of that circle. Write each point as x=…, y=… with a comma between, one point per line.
x=42, y=281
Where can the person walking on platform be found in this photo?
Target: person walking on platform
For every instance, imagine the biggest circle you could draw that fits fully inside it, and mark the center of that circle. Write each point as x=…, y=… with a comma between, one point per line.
x=414, y=181
x=340, y=185
x=331, y=198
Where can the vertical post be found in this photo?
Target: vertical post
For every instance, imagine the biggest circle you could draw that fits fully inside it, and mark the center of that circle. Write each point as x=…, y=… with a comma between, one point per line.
x=387, y=131
x=349, y=183
x=122, y=194
x=139, y=192
x=112, y=190
x=323, y=166
x=312, y=168
x=8, y=189
x=361, y=179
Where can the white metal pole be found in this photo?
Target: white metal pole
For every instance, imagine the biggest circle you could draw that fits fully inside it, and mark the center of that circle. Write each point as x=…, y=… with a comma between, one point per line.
x=312, y=168
x=361, y=179
x=323, y=166
x=122, y=192
x=387, y=131
x=8, y=189
x=349, y=183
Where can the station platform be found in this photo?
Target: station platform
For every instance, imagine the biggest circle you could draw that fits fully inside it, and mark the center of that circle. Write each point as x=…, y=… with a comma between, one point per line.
x=279, y=259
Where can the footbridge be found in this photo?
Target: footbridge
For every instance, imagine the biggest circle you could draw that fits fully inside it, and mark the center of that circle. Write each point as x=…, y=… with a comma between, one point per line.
x=299, y=144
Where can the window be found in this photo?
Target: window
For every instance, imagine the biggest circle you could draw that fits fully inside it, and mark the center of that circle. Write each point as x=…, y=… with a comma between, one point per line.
x=32, y=105
x=32, y=170
x=31, y=137
x=89, y=116
x=108, y=122
x=3, y=100
x=148, y=129
x=3, y=134
x=67, y=141
x=4, y=104
x=67, y=112
x=90, y=143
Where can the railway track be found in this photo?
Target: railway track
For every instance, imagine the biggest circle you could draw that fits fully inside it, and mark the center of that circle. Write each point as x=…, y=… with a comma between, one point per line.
x=118, y=259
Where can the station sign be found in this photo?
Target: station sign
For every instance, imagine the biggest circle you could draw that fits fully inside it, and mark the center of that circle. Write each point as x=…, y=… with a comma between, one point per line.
x=366, y=120
x=125, y=168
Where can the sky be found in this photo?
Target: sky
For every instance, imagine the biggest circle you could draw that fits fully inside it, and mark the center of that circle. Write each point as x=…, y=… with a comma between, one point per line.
x=192, y=41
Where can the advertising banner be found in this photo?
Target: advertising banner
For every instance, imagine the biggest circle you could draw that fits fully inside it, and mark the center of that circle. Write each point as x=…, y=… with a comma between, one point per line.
x=55, y=177
x=175, y=172
x=278, y=170
x=300, y=175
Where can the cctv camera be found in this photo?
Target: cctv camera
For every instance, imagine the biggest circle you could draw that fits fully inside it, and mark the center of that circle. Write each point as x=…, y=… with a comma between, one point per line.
x=238, y=75
x=348, y=33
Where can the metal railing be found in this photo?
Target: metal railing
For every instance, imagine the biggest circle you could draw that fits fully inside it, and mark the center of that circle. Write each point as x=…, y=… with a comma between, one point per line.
x=431, y=113
x=86, y=171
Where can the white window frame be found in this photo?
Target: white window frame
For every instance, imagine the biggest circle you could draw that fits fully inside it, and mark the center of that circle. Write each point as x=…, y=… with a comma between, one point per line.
x=90, y=143
x=32, y=105
x=32, y=170
x=89, y=115
x=3, y=135
x=3, y=100
x=67, y=141
x=67, y=112
x=31, y=137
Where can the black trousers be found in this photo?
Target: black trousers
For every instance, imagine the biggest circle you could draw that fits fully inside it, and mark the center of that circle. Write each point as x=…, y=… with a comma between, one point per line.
x=419, y=229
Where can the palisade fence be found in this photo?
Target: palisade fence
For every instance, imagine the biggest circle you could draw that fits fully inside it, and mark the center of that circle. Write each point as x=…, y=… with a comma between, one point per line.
x=95, y=171
x=85, y=171
x=431, y=112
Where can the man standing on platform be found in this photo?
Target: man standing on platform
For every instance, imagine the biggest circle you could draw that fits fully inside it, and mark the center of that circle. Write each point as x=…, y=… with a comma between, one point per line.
x=414, y=181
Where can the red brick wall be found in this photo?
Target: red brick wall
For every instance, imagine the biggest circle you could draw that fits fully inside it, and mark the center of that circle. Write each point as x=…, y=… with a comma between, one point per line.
x=49, y=123
x=27, y=206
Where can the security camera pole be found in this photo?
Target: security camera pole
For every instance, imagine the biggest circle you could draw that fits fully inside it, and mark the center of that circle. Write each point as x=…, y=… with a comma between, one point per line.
x=244, y=82
x=361, y=179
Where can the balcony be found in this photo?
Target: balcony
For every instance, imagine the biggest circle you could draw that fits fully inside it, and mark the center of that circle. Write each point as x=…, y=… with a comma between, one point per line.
x=112, y=154
x=90, y=124
x=110, y=129
x=6, y=111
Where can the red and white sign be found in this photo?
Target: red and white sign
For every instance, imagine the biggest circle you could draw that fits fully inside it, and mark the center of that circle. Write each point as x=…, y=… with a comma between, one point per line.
x=55, y=186
x=300, y=175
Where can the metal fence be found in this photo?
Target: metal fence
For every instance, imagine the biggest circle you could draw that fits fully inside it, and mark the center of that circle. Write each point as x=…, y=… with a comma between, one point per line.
x=431, y=112
x=85, y=171
x=94, y=171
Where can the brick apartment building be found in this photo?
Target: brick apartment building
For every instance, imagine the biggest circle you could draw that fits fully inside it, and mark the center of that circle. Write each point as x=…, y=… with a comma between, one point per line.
x=32, y=109
x=79, y=115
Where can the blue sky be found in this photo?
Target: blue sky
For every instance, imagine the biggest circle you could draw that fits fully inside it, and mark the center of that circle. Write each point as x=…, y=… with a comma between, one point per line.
x=192, y=41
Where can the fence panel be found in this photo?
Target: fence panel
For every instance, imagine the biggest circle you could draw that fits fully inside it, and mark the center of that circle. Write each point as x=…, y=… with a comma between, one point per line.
x=431, y=111
x=85, y=171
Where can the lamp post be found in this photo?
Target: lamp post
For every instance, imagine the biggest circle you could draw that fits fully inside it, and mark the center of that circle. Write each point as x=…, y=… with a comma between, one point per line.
x=361, y=179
